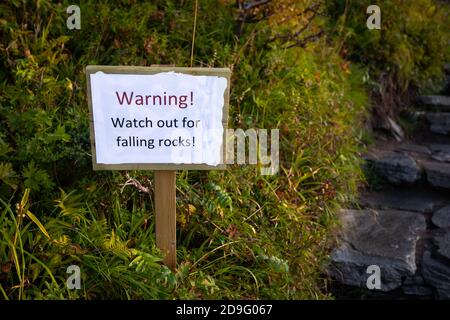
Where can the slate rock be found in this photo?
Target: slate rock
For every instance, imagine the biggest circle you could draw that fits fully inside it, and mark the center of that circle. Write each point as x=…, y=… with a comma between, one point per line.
x=383, y=238
x=438, y=174
x=441, y=102
x=439, y=122
x=442, y=240
x=439, y=148
x=441, y=156
x=423, y=201
x=440, y=152
x=396, y=167
x=416, y=286
x=441, y=218
x=436, y=272
x=414, y=148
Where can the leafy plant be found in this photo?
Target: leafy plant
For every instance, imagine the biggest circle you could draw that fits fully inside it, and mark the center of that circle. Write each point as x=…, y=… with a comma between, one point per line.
x=407, y=54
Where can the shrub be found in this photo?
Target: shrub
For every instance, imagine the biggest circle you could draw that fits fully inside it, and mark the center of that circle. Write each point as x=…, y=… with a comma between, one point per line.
x=409, y=50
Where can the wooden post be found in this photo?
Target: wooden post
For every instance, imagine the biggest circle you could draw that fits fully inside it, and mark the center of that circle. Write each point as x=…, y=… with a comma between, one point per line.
x=165, y=208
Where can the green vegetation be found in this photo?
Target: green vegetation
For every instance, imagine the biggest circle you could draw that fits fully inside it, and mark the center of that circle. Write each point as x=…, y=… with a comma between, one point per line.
x=406, y=55
x=240, y=234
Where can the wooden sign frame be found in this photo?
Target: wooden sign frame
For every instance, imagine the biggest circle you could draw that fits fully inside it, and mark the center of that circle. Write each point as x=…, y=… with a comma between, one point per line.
x=220, y=72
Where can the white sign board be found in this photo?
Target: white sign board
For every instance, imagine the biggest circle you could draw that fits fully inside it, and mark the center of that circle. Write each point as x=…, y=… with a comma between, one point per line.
x=158, y=117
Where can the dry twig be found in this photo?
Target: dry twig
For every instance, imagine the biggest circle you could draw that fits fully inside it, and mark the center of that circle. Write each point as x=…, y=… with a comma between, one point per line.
x=133, y=182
